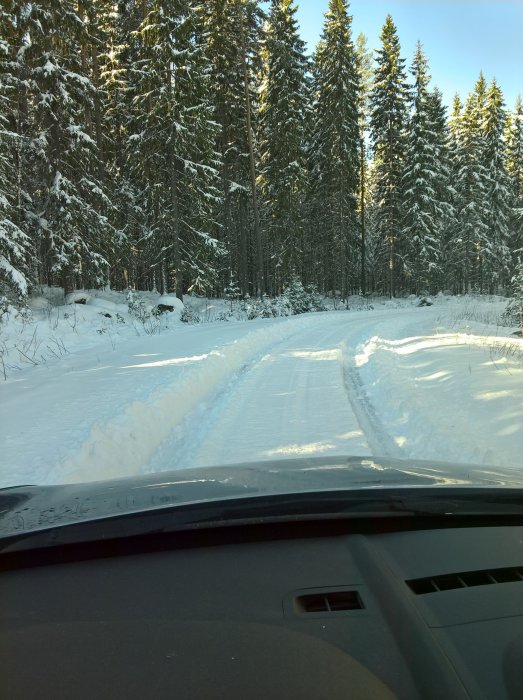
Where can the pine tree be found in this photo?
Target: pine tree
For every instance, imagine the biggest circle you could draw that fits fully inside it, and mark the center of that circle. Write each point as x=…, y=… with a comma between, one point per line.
x=388, y=124
x=334, y=150
x=171, y=144
x=283, y=172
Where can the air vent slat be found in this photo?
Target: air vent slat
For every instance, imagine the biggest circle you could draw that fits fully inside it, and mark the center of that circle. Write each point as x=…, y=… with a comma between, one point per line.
x=332, y=602
x=465, y=579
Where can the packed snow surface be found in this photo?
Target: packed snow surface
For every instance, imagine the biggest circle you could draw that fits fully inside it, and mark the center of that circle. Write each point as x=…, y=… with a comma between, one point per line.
x=443, y=382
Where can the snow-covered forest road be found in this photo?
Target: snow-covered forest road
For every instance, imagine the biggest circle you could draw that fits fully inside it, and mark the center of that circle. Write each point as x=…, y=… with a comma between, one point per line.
x=396, y=383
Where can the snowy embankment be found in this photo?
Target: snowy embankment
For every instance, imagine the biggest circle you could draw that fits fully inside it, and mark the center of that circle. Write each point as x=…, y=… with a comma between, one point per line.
x=449, y=396
x=442, y=382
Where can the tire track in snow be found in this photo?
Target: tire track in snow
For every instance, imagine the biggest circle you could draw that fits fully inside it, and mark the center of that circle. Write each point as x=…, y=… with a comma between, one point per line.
x=380, y=442
x=176, y=451
x=241, y=428
x=187, y=440
x=124, y=446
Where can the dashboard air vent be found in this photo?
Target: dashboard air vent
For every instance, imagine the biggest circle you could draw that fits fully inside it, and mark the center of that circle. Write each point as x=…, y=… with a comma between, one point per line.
x=328, y=602
x=465, y=579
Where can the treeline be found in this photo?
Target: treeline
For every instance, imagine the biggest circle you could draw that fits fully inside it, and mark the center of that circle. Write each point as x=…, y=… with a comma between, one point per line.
x=190, y=146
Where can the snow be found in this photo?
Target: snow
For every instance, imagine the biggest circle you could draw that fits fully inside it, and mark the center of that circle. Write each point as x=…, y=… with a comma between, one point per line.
x=15, y=275
x=432, y=393
x=169, y=300
x=105, y=304
x=109, y=399
x=38, y=303
x=77, y=298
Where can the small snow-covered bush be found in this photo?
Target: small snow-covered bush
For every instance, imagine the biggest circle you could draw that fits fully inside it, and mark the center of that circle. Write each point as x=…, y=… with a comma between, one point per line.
x=296, y=296
x=281, y=306
x=296, y=299
x=316, y=301
x=189, y=316
x=303, y=299
x=137, y=307
x=259, y=308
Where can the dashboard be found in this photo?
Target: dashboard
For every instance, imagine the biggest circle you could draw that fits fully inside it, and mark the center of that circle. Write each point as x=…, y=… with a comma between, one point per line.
x=301, y=610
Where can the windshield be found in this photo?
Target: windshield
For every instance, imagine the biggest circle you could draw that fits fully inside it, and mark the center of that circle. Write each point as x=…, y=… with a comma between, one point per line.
x=237, y=233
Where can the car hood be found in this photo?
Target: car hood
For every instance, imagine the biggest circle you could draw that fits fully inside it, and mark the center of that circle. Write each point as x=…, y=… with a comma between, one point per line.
x=26, y=509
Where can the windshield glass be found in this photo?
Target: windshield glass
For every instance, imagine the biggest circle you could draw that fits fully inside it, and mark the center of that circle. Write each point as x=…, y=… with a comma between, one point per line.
x=237, y=233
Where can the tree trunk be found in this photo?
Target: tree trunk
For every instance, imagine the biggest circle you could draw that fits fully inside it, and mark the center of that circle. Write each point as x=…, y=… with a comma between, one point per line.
x=175, y=222
x=243, y=266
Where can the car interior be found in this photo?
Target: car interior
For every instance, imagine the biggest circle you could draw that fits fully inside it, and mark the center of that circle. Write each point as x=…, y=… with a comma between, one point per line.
x=349, y=608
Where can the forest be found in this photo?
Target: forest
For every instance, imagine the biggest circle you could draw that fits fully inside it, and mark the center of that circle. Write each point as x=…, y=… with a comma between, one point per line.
x=191, y=146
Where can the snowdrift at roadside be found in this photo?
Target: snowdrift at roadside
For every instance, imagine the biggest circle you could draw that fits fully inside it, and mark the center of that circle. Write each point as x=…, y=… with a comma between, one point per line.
x=448, y=396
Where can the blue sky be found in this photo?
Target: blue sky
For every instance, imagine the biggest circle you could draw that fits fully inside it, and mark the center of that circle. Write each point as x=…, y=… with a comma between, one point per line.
x=460, y=37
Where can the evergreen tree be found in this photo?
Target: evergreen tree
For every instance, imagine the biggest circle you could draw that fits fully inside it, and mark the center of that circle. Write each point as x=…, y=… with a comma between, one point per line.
x=514, y=164
x=113, y=55
x=422, y=180
x=334, y=150
x=68, y=200
x=470, y=234
x=443, y=181
x=14, y=241
x=233, y=30
x=495, y=251
x=453, y=258
x=388, y=124
x=283, y=172
x=364, y=67
x=171, y=144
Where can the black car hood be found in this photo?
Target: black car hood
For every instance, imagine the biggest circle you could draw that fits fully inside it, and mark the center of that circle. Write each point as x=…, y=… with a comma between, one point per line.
x=26, y=509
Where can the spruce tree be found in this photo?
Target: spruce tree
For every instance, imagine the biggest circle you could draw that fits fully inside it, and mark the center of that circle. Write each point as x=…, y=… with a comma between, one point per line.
x=470, y=234
x=171, y=145
x=282, y=123
x=424, y=211
x=68, y=200
x=364, y=67
x=495, y=252
x=442, y=178
x=514, y=164
x=14, y=242
x=388, y=126
x=118, y=55
x=233, y=30
x=453, y=249
x=334, y=150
